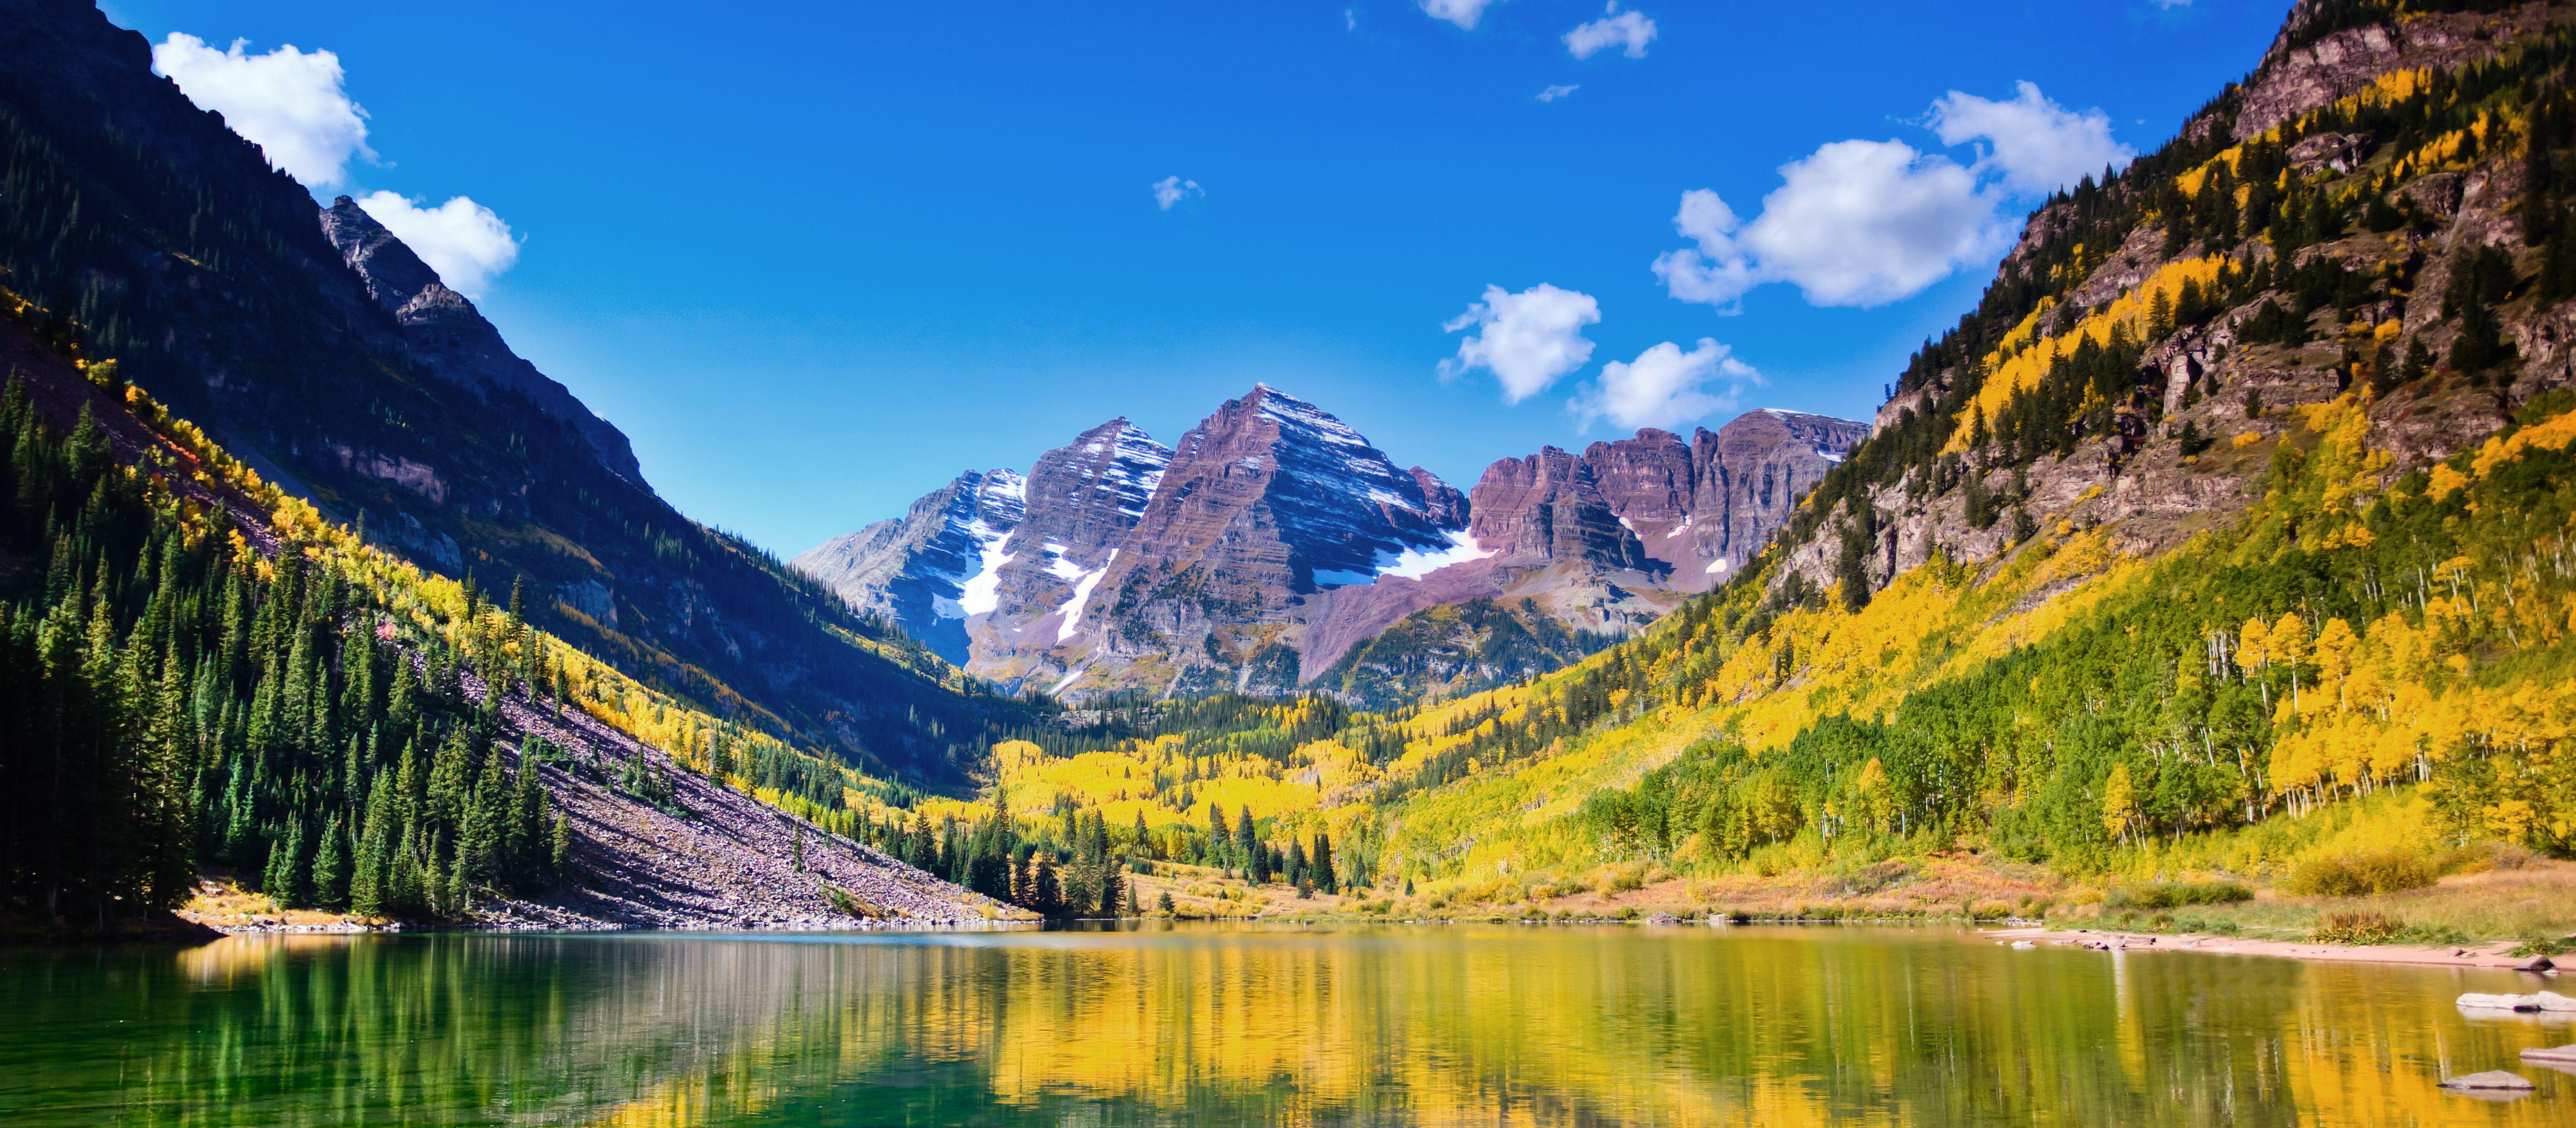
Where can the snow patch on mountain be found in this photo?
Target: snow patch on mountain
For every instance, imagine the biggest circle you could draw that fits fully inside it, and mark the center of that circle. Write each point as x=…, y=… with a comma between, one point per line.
x=1411, y=564
x=1415, y=563
x=1082, y=598
x=982, y=592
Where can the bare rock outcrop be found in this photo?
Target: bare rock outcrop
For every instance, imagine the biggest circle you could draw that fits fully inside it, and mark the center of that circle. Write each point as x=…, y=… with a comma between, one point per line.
x=452, y=338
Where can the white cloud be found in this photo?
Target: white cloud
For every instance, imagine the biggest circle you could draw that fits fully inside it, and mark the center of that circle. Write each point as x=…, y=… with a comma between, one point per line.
x=1527, y=340
x=1628, y=30
x=1858, y=223
x=1555, y=92
x=2037, y=145
x=1463, y=13
x=1665, y=387
x=1171, y=190
x=1862, y=223
x=292, y=104
x=462, y=240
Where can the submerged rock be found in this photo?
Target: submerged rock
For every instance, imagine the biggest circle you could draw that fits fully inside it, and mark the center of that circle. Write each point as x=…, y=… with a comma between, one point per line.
x=2493, y=1080
x=2536, y=1001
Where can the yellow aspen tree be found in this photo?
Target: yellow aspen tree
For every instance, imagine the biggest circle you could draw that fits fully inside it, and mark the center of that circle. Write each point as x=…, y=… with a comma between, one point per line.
x=2119, y=803
x=2334, y=649
x=2253, y=657
x=2288, y=642
x=1876, y=807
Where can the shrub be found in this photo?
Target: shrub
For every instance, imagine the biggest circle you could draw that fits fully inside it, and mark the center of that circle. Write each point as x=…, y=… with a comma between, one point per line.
x=2359, y=926
x=2512, y=857
x=2361, y=873
x=1990, y=910
x=2174, y=894
x=1621, y=879
x=2542, y=946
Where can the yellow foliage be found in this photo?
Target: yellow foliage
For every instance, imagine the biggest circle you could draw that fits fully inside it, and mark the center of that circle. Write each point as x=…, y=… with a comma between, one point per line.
x=2016, y=371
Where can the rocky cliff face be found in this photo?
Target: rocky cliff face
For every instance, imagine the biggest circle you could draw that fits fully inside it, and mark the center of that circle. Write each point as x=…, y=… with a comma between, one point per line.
x=1549, y=507
x=451, y=337
x=1750, y=475
x=1686, y=515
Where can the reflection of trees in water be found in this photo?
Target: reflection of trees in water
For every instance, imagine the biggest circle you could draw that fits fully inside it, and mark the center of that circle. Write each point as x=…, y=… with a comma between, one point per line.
x=1501, y=1026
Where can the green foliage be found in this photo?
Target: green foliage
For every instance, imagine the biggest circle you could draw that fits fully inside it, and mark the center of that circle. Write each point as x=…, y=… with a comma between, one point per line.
x=1457, y=649
x=167, y=699
x=2361, y=873
x=2176, y=894
x=2356, y=926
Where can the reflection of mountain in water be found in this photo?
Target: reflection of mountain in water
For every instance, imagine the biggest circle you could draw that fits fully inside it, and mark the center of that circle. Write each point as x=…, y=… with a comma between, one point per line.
x=1204, y=1027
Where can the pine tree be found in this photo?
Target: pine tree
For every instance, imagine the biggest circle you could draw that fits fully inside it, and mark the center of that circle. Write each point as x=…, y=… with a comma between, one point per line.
x=559, y=860
x=1244, y=841
x=331, y=868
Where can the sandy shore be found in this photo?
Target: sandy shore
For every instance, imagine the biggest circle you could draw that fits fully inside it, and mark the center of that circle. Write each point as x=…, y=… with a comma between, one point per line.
x=2493, y=955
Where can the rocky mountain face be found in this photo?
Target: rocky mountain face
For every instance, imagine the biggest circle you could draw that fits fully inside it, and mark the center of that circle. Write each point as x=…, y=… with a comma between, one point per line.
x=450, y=336
x=1269, y=501
x=1275, y=539
x=329, y=357
x=927, y=568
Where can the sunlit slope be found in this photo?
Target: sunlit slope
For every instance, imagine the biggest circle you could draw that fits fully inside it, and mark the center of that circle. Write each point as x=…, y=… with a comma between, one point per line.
x=2422, y=639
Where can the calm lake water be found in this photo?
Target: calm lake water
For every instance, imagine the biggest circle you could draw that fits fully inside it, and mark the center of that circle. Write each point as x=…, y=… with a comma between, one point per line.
x=1215, y=1026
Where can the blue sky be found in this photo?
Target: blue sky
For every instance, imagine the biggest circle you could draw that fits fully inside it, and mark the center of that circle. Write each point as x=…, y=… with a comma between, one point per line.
x=816, y=259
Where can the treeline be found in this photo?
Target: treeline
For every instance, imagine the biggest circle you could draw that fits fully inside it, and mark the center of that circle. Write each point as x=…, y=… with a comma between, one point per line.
x=1072, y=863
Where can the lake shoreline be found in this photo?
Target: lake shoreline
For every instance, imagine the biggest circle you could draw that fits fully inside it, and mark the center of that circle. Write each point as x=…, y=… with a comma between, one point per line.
x=2497, y=955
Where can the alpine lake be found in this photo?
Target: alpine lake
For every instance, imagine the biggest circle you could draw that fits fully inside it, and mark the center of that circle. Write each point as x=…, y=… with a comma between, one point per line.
x=1208, y=1025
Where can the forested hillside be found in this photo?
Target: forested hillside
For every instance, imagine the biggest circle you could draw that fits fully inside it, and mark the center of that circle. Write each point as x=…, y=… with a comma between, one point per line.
x=200, y=673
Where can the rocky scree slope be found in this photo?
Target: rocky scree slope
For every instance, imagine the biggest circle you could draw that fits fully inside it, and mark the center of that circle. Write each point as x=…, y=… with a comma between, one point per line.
x=344, y=372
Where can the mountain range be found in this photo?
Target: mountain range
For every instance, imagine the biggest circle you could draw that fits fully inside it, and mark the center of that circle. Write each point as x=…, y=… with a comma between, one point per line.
x=1273, y=541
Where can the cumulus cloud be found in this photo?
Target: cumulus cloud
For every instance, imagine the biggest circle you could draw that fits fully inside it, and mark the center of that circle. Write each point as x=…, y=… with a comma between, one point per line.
x=1858, y=223
x=1863, y=223
x=1555, y=92
x=2036, y=145
x=1463, y=13
x=294, y=105
x=1665, y=387
x=1627, y=30
x=462, y=240
x=1171, y=190
x=1527, y=340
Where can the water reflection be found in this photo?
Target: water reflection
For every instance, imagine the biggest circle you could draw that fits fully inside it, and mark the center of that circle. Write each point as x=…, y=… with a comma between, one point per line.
x=1205, y=1026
